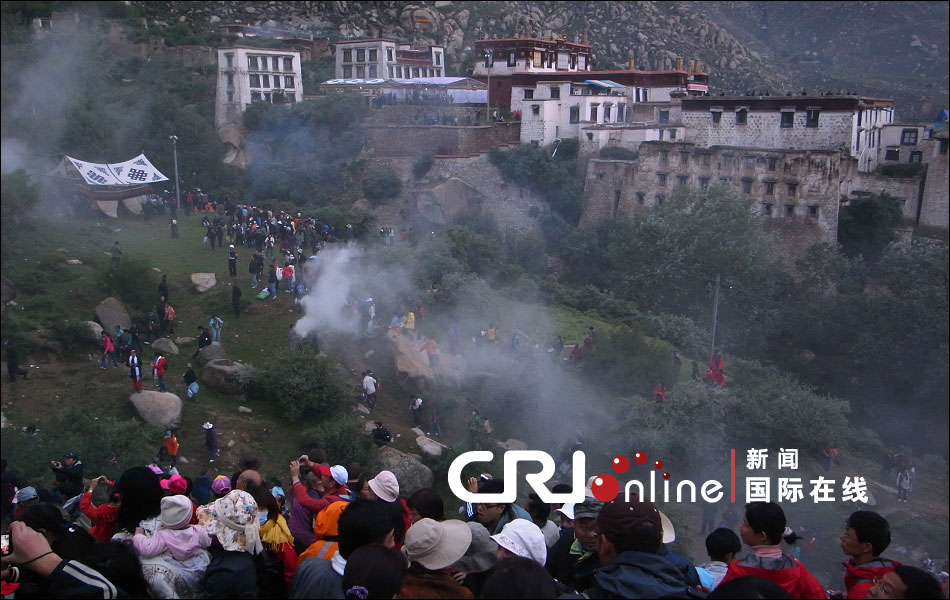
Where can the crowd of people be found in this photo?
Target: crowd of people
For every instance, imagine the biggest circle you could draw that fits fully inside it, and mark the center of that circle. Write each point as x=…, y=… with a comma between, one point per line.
x=334, y=531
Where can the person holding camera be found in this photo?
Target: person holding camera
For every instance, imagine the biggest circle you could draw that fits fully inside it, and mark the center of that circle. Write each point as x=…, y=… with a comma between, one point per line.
x=68, y=475
x=102, y=516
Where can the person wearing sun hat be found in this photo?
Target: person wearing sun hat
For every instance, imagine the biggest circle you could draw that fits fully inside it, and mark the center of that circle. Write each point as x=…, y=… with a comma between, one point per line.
x=431, y=548
x=176, y=541
x=385, y=488
x=221, y=486
x=521, y=538
x=233, y=521
x=573, y=559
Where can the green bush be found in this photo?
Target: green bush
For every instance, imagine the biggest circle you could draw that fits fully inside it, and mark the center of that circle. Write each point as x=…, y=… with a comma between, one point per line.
x=625, y=362
x=72, y=335
x=302, y=383
x=477, y=221
x=132, y=281
x=618, y=153
x=381, y=186
x=342, y=438
x=422, y=165
x=97, y=438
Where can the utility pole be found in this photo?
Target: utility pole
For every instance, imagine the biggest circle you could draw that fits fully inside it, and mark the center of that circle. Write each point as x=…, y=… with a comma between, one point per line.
x=174, y=139
x=490, y=66
x=715, y=315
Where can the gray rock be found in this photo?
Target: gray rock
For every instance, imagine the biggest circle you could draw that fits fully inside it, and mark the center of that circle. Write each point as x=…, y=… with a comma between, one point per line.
x=244, y=409
x=210, y=353
x=225, y=376
x=513, y=444
x=363, y=409
x=165, y=345
x=429, y=446
x=185, y=340
x=203, y=281
x=73, y=261
x=158, y=408
x=112, y=312
x=95, y=331
x=411, y=474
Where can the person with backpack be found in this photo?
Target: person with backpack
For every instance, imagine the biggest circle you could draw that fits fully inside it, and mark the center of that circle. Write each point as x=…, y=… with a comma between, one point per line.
x=216, y=324
x=191, y=383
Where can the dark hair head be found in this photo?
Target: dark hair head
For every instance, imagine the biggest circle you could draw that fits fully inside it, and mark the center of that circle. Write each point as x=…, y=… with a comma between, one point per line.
x=141, y=497
x=749, y=587
x=721, y=543
x=264, y=498
x=538, y=509
x=767, y=517
x=871, y=528
x=428, y=503
x=376, y=568
x=920, y=583
x=791, y=537
x=119, y=563
x=317, y=455
x=561, y=488
x=354, y=470
x=363, y=522
x=250, y=462
x=519, y=578
x=45, y=516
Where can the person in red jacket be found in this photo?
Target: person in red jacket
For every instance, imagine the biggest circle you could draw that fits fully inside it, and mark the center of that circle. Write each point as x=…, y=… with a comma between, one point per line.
x=160, y=366
x=334, y=485
x=762, y=530
x=866, y=536
x=102, y=516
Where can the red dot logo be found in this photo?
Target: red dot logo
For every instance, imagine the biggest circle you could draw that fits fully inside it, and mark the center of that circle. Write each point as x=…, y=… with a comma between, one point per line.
x=605, y=488
x=658, y=464
x=666, y=475
x=620, y=464
x=640, y=458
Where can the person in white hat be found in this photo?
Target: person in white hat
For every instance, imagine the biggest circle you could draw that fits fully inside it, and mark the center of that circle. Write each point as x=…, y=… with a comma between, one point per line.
x=385, y=488
x=232, y=261
x=521, y=538
x=177, y=541
x=431, y=548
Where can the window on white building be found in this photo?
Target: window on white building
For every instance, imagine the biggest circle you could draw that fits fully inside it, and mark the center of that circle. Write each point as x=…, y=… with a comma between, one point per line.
x=813, y=211
x=265, y=81
x=682, y=180
x=661, y=180
x=916, y=156
x=252, y=63
x=438, y=58
x=254, y=80
x=660, y=198
x=641, y=198
x=747, y=186
x=789, y=210
x=373, y=55
x=593, y=114
x=555, y=92
x=389, y=54
x=289, y=82
x=664, y=116
x=892, y=154
x=360, y=55
x=791, y=188
x=621, y=109
x=255, y=96
x=528, y=94
x=288, y=63
x=230, y=80
x=372, y=71
x=788, y=119
x=703, y=183
x=769, y=188
x=347, y=71
x=229, y=57
x=767, y=209
x=575, y=114
x=347, y=56
x=742, y=116
x=716, y=117
x=230, y=96
x=684, y=159
x=811, y=117
x=607, y=114
x=275, y=63
x=909, y=137
x=535, y=109
x=512, y=59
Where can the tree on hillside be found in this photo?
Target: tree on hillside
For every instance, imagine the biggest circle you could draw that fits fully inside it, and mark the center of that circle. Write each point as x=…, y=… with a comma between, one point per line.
x=18, y=194
x=866, y=225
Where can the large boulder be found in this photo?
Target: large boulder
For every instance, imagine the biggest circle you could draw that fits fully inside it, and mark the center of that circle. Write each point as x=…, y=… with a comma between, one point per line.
x=209, y=353
x=411, y=474
x=225, y=375
x=95, y=331
x=429, y=446
x=413, y=365
x=112, y=312
x=203, y=281
x=158, y=408
x=165, y=345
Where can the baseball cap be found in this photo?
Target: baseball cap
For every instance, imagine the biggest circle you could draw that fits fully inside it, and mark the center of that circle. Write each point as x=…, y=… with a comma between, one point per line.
x=221, y=485
x=339, y=474
x=27, y=494
x=588, y=509
x=71, y=455
x=619, y=517
x=567, y=510
x=175, y=484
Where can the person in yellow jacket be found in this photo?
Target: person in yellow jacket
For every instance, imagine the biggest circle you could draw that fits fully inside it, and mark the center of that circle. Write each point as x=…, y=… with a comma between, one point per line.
x=410, y=326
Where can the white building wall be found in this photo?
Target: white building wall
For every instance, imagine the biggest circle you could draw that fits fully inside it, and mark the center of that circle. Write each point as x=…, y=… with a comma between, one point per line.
x=234, y=87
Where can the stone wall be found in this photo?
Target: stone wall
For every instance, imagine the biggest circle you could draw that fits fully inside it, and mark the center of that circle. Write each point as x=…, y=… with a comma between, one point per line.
x=905, y=189
x=763, y=130
x=796, y=192
x=934, y=212
x=421, y=140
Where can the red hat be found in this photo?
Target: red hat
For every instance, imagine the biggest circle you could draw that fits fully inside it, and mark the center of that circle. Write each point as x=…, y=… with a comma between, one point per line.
x=322, y=470
x=176, y=484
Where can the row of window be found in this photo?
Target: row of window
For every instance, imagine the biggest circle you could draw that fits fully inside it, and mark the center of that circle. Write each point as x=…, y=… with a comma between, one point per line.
x=791, y=189
x=540, y=59
x=395, y=72
x=261, y=63
x=787, y=121
x=269, y=97
x=749, y=162
x=894, y=154
x=372, y=55
x=766, y=206
x=264, y=81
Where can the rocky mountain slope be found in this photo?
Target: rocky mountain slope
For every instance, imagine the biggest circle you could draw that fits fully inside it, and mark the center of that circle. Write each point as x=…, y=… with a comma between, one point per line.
x=891, y=49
